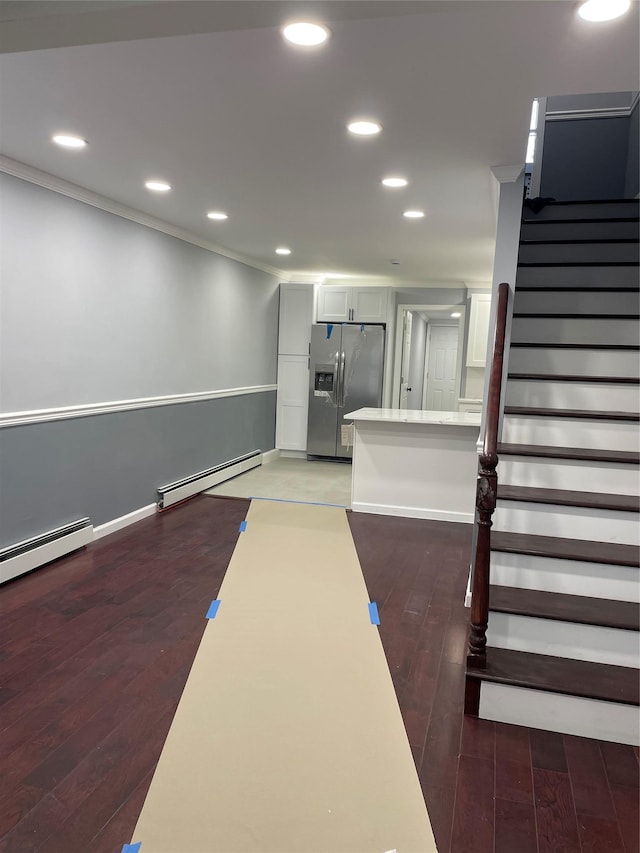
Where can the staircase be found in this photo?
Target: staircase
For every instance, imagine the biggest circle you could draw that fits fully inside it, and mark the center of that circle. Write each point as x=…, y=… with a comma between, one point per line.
x=562, y=640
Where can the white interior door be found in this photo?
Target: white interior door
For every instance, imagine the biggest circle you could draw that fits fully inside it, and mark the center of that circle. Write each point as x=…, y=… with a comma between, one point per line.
x=406, y=358
x=441, y=369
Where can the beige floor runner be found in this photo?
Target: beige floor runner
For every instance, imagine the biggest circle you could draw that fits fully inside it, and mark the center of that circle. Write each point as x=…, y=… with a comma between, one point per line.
x=288, y=737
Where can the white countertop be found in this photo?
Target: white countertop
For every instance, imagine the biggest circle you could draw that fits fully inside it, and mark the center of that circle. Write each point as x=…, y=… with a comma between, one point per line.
x=415, y=416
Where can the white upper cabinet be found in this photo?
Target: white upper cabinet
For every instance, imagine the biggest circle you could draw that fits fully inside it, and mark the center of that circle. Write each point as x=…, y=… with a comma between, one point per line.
x=296, y=317
x=479, y=317
x=338, y=304
x=294, y=334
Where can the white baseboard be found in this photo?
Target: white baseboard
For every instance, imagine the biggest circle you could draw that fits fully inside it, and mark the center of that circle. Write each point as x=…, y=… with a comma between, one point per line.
x=124, y=521
x=572, y=715
x=293, y=454
x=467, y=595
x=413, y=512
x=270, y=456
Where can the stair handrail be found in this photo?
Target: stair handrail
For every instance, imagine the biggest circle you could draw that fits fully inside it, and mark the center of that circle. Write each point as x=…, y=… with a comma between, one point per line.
x=486, y=492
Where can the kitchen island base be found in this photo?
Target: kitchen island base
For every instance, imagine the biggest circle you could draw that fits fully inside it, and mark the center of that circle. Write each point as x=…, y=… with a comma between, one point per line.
x=415, y=464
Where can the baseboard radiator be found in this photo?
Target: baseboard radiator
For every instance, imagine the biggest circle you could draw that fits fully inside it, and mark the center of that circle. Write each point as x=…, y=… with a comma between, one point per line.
x=173, y=493
x=32, y=553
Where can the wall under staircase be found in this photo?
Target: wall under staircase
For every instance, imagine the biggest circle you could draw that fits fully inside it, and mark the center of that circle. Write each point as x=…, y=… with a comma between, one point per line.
x=563, y=641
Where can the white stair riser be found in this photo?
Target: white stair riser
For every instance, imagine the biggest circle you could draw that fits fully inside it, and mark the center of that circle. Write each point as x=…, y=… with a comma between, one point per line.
x=571, y=577
x=590, y=396
x=571, y=432
x=577, y=253
x=578, y=276
x=579, y=231
x=567, y=522
x=580, y=210
x=569, y=474
x=571, y=362
x=555, y=330
x=563, y=639
x=585, y=302
x=556, y=712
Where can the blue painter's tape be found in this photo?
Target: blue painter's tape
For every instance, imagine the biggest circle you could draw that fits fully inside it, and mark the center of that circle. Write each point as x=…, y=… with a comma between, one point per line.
x=329, y=330
x=362, y=328
x=373, y=613
x=213, y=609
x=132, y=848
x=243, y=526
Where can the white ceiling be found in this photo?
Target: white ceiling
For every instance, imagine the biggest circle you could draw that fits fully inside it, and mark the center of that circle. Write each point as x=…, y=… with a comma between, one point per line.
x=236, y=119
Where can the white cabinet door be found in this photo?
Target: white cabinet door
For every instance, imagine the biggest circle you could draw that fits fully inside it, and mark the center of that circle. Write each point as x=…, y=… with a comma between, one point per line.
x=352, y=304
x=334, y=305
x=296, y=317
x=292, y=402
x=478, y=329
x=370, y=304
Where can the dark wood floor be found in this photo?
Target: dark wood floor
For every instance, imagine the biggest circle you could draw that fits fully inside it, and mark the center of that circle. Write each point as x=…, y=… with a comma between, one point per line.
x=95, y=650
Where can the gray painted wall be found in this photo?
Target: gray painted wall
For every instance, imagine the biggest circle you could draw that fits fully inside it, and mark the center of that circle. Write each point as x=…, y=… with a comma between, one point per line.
x=95, y=308
x=585, y=158
x=109, y=465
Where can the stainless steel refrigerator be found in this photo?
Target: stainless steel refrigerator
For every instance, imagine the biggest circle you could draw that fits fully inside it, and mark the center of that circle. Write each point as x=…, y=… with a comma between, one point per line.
x=345, y=374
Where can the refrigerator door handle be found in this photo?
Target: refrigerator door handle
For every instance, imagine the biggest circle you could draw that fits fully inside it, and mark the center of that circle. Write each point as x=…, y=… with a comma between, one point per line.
x=342, y=364
x=336, y=386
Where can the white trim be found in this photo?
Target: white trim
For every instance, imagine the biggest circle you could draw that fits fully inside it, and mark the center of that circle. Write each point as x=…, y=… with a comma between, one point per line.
x=507, y=174
x=293, y=454
x=124, y=521
x=413, y=512
x=270, y=456
x=58, y=185
x=36, y=416
x=468, y=594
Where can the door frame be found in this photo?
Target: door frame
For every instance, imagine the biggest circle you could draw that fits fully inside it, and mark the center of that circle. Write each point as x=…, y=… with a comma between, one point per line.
x=397, y=360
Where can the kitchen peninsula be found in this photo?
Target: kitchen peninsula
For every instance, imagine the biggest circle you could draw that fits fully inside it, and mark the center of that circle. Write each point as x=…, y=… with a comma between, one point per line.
x=413, y=463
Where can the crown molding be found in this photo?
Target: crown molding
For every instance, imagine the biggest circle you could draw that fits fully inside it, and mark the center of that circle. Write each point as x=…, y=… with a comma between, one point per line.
x=74, y=191
x=507, y=174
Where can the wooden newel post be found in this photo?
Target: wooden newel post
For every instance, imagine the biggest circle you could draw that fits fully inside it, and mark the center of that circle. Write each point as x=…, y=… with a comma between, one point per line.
x=485, y=506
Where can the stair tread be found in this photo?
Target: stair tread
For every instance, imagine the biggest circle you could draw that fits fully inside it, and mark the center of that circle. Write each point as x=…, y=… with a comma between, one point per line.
x=556, y=315
x=580, y=220
x=566, y=608
x=587, y=454
x=562, y=497
x=571, y=241
x=586, y=551
x=578, y=263
x=526, y=288
x=543, y=345
x=572, y=413
x=569, y=377
x=599, y=681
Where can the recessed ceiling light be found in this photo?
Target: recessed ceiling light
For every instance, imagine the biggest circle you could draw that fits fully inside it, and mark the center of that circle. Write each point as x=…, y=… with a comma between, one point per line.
x=395, y=182
x=282, y=250
x=68, y=141
x=413, y=214
x=305, y=33
x=158, y=186
x=603, y=10
x=456, y=314
x=217, y=214
x=364, y=128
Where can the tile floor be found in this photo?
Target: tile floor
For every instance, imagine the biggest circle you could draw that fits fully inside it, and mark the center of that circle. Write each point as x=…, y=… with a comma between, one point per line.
x=294, y=480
